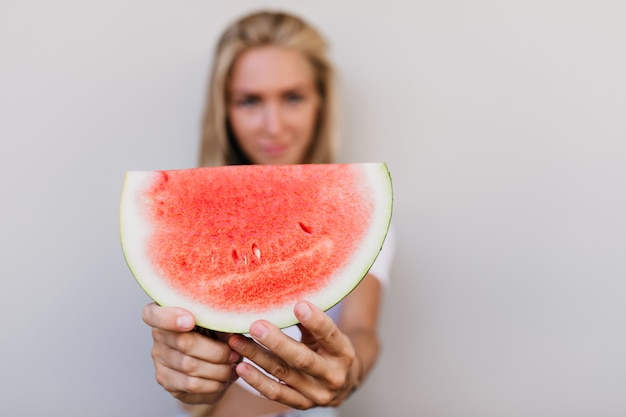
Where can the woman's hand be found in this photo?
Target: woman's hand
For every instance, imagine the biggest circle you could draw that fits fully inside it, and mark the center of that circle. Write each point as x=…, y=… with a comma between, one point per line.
x=322, y=370
x=194, y=368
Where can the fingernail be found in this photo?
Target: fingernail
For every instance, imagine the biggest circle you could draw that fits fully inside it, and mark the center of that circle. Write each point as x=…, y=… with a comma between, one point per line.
x=259, y=331
x=303, y=310
x=242, y=369
x=185, y=322
x=234, y=358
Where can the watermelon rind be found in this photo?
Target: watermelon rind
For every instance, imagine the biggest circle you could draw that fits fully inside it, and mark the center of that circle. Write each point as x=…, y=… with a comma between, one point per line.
x=135, y=230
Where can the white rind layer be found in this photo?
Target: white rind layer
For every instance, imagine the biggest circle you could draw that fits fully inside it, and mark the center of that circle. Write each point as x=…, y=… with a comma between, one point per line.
x=134, y=232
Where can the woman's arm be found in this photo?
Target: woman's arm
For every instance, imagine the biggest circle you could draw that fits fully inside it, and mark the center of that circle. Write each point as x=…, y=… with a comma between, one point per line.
x=359, y=321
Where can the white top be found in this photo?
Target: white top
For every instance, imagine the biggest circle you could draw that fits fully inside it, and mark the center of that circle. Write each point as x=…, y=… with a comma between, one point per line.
x=381, y=269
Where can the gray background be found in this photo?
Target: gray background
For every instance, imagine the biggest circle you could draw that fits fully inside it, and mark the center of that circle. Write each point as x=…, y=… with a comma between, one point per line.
x=502, y=124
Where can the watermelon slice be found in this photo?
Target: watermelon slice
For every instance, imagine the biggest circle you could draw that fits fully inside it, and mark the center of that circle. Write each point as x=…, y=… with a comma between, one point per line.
x=234, y=244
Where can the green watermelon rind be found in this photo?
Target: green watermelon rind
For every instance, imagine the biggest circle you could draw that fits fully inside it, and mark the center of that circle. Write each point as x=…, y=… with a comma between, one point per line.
x=134, y=231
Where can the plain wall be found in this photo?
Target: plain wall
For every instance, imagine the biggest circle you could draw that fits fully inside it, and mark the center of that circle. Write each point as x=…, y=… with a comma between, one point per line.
x=503, y=125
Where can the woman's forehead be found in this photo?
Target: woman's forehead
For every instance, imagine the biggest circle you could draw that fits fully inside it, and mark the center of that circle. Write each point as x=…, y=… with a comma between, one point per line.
x=270, y=68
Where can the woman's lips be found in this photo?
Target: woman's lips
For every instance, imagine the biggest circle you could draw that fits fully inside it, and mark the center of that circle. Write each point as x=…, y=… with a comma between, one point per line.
x=275, y=150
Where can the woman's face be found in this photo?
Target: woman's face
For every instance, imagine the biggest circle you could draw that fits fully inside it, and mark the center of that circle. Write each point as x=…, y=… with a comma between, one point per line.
x=273, y=105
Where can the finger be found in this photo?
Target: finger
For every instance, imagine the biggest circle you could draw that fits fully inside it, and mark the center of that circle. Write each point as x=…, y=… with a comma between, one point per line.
x=321, y=328
x=307, y=338
x=176, y=381
x=272, y=389
x=173, y=319
x=286, y=359
x=256, y=353
x=193, y=367
x=197, y=346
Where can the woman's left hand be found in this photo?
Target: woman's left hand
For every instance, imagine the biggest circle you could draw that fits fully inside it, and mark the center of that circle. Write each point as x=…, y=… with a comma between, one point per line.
x=321, y=370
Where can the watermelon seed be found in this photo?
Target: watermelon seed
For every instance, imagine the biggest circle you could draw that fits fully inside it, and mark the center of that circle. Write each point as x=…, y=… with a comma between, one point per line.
x=304, y=227
x=256, y=250
x=245, y=259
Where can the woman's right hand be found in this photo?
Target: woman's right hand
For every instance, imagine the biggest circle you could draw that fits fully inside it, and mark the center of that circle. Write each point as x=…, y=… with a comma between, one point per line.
x=195, y=369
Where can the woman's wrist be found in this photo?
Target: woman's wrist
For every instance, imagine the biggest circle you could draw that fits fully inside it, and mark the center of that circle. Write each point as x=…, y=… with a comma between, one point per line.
x=360, y=371
x=197, y=410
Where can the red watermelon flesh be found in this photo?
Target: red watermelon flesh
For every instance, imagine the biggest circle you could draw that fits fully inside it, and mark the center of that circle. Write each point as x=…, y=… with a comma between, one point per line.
x=237, y=243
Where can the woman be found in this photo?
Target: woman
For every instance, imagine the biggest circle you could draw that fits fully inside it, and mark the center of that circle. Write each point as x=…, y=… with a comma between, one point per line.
x=270, y=101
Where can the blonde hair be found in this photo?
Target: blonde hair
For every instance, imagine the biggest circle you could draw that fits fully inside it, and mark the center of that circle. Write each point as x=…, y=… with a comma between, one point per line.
x=218, y=146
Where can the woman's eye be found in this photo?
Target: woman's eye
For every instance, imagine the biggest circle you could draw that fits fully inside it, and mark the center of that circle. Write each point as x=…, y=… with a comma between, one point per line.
x=247, y=101
x=293, y=98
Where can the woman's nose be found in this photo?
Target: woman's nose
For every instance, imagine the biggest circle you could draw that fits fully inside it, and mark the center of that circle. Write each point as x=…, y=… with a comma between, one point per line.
x=273, y=120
